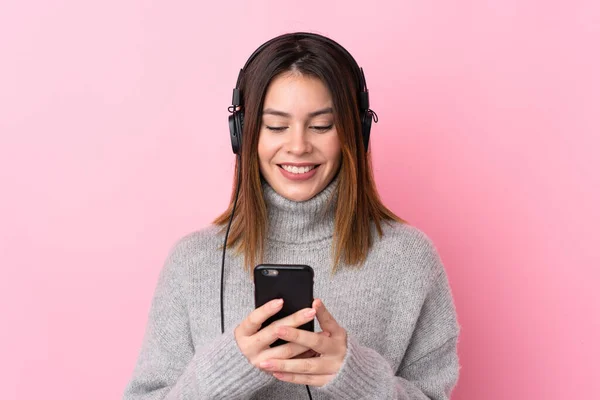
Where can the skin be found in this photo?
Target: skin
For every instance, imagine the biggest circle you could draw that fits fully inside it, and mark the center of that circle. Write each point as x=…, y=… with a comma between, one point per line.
x=297, y=129
x=283, y=361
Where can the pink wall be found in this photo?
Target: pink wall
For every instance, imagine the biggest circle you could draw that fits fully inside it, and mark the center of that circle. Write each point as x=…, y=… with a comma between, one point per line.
x=113, y=144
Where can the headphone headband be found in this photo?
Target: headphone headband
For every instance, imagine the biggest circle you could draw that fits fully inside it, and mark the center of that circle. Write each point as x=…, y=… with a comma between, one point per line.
x=358, y=71
x=236, y=120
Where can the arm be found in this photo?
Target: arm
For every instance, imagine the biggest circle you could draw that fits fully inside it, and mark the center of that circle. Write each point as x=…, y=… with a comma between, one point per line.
x=430, y=366
x=170, y=368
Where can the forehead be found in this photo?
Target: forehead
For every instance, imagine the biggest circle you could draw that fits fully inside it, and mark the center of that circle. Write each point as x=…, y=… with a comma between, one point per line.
x=296, y=93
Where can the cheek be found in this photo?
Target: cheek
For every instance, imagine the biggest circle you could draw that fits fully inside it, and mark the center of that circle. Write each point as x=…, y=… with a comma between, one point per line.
x=267, y=150
x=333, y=150
x=263, y=150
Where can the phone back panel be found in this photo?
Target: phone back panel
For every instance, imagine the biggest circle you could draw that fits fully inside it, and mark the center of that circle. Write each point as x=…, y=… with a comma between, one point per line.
x=293, y=284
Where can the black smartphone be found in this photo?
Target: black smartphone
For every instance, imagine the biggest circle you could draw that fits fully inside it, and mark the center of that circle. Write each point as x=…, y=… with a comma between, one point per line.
x=290, y=282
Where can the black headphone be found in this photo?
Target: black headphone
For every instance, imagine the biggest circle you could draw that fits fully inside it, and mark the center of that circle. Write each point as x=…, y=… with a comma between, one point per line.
x=236, y=119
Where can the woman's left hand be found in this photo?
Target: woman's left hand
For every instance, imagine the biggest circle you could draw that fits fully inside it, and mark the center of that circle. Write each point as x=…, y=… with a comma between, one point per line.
x=315, y=371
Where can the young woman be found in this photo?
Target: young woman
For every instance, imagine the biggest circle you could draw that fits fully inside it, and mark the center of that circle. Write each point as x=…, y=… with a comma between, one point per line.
x=387, y=326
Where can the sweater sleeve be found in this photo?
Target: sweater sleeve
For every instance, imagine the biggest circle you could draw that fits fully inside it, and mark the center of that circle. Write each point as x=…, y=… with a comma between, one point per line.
x=169, y=367
x=429, y=369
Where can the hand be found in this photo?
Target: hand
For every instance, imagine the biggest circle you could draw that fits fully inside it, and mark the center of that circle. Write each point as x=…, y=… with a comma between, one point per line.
x=315, y=371
x=254, y=344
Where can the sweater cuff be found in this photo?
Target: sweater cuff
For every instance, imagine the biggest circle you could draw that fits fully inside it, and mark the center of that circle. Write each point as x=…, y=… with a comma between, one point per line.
x=364, y=374
x=224, y=371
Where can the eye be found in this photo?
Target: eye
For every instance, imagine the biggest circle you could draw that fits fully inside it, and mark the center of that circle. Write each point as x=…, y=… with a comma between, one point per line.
x=322, y=128
x=276, y=128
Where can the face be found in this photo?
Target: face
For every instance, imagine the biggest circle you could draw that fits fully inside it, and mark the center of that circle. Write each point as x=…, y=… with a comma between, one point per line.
x=298, y=147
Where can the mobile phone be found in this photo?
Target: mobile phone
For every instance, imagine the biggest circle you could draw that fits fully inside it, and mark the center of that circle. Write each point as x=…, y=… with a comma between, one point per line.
x=290, y=282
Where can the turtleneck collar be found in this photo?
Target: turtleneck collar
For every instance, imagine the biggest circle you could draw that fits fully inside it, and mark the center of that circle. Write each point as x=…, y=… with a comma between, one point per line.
x=301, y=221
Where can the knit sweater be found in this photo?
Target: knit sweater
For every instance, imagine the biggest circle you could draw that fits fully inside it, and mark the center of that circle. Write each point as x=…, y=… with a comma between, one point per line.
x=397, y=309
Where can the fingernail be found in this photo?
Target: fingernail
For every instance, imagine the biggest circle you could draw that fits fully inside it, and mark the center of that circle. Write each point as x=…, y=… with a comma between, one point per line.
x=266, y=364
x=326, y=333
x=310, y=313
x=281, y=331
x=277, y=303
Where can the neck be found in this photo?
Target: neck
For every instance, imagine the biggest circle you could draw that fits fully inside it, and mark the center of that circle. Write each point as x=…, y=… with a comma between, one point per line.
x=301, y=221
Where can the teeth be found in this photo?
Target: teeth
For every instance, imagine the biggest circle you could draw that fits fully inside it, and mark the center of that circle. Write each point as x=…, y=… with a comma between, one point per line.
x=297, y=170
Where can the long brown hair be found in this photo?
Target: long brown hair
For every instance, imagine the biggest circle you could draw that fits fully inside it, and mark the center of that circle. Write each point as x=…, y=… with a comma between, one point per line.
x=358, y=203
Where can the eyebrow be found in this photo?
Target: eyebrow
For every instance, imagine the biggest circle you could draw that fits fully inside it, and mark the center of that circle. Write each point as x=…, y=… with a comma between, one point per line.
x=271, y=111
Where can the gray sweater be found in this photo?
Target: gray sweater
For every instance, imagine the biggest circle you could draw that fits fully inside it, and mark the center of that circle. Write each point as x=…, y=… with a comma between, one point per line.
x=397, y=309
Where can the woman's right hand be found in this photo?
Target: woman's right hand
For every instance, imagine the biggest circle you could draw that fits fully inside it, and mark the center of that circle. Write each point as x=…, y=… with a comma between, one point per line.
x=254, y=344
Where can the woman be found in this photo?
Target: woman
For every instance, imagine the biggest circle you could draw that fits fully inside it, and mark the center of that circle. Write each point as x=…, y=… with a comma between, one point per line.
x=307, y=196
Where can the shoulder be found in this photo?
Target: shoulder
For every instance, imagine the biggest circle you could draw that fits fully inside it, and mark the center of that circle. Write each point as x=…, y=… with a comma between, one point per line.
x=197, y=241
x=408, y=245
x=188, y=253
x=193, y=248
x=405, y=238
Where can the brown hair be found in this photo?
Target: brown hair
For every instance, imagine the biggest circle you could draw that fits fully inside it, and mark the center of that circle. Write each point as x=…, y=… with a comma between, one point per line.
x=358, y=201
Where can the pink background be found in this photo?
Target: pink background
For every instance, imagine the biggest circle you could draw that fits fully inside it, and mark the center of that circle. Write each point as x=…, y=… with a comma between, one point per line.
x=114, y=144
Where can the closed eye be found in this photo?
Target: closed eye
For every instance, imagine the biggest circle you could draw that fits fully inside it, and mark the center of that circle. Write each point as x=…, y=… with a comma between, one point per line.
x=316, y=128
x=322, y=128
x=276, y=128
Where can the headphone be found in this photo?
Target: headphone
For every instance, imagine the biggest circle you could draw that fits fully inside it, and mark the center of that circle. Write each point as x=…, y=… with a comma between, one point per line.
x=236, y=119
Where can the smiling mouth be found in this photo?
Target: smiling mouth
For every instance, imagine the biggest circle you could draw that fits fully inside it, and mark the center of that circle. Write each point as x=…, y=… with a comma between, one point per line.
x=298, y=170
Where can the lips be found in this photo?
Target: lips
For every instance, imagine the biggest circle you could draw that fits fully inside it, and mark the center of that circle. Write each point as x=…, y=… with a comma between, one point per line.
x=306, y=164
x=298, y=169
x=298, y=172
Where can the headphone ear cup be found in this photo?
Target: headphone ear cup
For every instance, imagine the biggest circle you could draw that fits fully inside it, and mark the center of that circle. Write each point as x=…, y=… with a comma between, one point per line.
x=367, y=121
x=236, y=127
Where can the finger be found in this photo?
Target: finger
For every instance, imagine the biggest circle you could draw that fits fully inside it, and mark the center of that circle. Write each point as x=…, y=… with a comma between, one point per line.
x=300, y=379
x=326, y=320
x=285, y=351
x=256, y=318
x=310, y=353
x=269, y=334
x=319, y=343
x=311, y=366
x=289, y=350
x=296, y=319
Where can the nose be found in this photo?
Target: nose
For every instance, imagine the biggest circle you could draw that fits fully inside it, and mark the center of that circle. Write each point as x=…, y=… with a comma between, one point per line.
x=299, y=141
